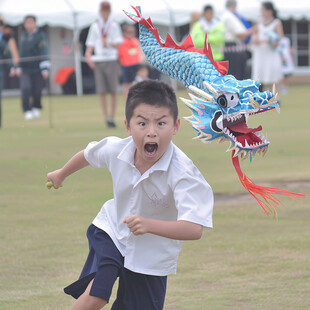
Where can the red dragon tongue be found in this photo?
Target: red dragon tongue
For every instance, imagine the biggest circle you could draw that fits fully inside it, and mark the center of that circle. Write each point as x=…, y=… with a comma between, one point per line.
x=243, y=128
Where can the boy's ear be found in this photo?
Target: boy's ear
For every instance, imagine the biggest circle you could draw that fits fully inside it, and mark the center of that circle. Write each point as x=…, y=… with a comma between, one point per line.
x=176, y=126
x=127, y=127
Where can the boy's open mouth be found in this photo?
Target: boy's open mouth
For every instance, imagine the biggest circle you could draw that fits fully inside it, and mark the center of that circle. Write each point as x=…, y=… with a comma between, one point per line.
x=150, y=148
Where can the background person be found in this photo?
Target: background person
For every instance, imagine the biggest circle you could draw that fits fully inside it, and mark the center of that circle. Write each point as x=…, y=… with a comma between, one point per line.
x=235, y=33
x=7, y=47
x=215, y=30
x=6, y=35
x=33, y=44
x=287, y=64
x=266, y=59
x=129, y=54
x=104, y=38
x=142, y=73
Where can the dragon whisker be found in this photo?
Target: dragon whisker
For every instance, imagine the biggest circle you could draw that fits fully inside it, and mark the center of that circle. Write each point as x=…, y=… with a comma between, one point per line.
x=270, y=102
x=253, y=103
x=201, y=93
x=210, y=88
x=189, y=104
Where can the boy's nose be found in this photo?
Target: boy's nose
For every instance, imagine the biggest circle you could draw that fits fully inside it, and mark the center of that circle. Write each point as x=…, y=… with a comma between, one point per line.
x=152, y=132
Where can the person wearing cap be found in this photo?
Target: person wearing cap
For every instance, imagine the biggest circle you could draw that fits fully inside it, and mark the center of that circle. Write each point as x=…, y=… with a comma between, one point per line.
x=103, y=40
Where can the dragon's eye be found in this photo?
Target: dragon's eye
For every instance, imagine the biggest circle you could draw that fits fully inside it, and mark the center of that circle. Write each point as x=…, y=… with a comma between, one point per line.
x=228, y=100
x=222, y=101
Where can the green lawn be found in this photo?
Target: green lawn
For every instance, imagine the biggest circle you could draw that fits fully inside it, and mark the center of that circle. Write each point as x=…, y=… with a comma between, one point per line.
x=248, y=261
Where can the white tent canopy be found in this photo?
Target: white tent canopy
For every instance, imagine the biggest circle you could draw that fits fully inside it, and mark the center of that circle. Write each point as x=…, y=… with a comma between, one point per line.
x=77, y=14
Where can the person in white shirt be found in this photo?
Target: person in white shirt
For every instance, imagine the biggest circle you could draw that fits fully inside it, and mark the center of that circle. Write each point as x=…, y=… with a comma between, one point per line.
x=104, y=38
x=160, y=198
x=286, y=52
x=235, y=33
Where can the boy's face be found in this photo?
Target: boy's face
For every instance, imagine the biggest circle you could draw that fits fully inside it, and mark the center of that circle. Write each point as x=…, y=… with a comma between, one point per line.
x=151, y=128
x=105, y=13
x=143, y=73
x=30, y=24
x=130, y=32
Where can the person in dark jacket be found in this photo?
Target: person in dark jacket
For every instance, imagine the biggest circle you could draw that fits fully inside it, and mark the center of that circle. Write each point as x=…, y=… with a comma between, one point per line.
x=34, y=65
x=7, y=49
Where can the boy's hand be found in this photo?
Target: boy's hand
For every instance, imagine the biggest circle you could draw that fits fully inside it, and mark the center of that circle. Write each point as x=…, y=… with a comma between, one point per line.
x=137, y=224
x=54, y=179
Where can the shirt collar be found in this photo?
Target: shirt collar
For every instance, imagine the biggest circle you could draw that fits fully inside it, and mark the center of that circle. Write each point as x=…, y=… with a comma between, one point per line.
x=128, y=152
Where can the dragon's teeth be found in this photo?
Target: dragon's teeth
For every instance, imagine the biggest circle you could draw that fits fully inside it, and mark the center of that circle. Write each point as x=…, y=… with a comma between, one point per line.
x=219, y=122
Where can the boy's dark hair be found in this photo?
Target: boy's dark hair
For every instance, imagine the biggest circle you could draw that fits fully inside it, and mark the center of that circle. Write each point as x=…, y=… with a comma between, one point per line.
x=30, y=16
x=207, y=8
x=151, y=92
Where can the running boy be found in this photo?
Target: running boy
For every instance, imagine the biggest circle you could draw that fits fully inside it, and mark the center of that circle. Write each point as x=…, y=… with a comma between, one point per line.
x=160, y=198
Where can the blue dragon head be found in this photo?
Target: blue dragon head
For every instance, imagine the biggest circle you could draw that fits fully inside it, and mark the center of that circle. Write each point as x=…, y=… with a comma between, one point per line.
x=221, y=112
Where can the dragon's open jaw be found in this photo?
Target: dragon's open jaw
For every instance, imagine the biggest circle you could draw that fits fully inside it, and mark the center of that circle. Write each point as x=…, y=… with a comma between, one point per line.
x=235, y=127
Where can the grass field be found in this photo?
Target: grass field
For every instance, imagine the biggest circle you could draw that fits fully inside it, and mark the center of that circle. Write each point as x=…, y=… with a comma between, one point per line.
x=248, y=261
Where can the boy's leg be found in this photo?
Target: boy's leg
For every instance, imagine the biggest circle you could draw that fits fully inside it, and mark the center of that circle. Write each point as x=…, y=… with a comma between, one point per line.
x=138, y=291
x=37, y=86
x=113, y=104
x=25, y=85
x=87, y=302
x=104, y=263
x=111, y=79
x=104, y=106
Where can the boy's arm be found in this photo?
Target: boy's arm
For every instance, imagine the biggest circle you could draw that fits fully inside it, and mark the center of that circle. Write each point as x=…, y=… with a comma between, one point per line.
x=76, y=163
x=179, y=230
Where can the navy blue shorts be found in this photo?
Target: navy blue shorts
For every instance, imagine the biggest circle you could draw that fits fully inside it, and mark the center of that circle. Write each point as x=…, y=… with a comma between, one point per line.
x=104, y=264
x=129, y=73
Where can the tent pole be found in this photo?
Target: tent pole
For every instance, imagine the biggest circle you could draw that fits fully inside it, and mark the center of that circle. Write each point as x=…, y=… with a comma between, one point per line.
x=77, y=58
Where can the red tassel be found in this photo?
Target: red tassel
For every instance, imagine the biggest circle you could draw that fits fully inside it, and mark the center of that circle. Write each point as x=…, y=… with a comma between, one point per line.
x=268, y=202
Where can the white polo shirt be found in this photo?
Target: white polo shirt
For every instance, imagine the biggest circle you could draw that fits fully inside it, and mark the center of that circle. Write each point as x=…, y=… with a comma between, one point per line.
x=172, y=189
x=94, y=39
x=233, y=27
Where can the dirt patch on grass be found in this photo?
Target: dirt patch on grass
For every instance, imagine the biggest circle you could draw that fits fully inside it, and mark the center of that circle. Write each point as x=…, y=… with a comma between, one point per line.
x=245, y=197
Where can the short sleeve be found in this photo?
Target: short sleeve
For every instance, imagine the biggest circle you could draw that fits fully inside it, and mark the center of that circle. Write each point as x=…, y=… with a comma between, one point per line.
x=96, y=153
x=194, y=199
x=234, y=25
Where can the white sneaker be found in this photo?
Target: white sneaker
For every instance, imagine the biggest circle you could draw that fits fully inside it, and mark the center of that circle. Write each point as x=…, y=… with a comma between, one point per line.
x=35, y=112
x=28, y=115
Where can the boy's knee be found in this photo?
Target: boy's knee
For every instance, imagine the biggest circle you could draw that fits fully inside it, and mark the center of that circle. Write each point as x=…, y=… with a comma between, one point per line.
x=92, y=303
x=96, y=302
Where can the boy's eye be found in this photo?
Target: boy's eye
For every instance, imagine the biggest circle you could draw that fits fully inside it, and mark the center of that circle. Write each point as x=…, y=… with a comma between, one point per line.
x=141, y=124
x=161, y=123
